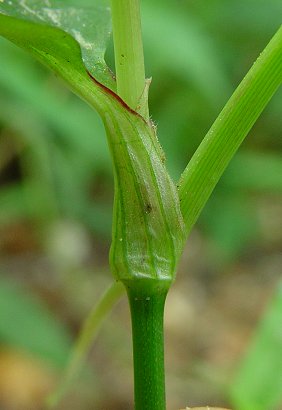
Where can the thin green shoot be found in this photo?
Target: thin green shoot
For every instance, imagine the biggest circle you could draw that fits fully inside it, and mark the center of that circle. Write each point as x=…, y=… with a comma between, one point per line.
x=88, y=333
x=129, y=58
x=229, y=130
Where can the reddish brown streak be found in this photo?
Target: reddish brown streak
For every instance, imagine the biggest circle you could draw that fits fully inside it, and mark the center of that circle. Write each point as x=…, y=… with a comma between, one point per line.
x=114, y=95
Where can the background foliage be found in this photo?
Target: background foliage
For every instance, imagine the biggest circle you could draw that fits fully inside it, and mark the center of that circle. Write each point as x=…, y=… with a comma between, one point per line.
x=56, y=192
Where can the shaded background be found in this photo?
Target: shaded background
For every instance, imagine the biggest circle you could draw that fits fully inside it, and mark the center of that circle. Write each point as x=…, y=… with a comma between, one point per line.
x=56, y=194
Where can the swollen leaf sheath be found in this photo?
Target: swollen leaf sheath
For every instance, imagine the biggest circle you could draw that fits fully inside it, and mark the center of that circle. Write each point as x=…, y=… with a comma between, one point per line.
x=148, y=228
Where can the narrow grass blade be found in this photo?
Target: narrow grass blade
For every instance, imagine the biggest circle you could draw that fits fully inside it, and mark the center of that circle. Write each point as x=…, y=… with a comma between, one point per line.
x=229, y=130
x=85, y=340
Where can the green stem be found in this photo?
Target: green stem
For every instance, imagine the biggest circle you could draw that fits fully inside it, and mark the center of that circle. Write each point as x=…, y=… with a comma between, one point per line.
x=229, y=130
x=129, y=57
x=147, y=310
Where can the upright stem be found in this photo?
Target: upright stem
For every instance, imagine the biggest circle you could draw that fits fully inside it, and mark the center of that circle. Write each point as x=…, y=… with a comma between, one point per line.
x=129, y=57
x=148, y=349
x=147, y=297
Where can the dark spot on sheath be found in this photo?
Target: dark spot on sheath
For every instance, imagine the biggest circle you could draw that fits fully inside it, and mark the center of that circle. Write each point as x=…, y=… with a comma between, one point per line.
x=122, y=55
x=148, y=208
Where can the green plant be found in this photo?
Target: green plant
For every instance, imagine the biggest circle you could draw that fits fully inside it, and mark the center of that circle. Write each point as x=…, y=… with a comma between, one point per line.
x=152, y=216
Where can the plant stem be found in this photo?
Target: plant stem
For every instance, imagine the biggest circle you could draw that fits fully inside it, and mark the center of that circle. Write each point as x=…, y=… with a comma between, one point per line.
x=229, y=130
x=129, y=57
x=147, y=312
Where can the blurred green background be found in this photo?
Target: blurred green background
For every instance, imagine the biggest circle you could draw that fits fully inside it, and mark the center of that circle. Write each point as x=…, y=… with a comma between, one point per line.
x=56, y=194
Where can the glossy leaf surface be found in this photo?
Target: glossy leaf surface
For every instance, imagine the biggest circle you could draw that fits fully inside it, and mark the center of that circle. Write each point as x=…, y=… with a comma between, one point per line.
x=90, y=26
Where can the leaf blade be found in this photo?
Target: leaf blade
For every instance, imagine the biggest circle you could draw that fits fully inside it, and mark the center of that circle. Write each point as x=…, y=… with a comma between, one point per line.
x=58, y=51
x=89, y=26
